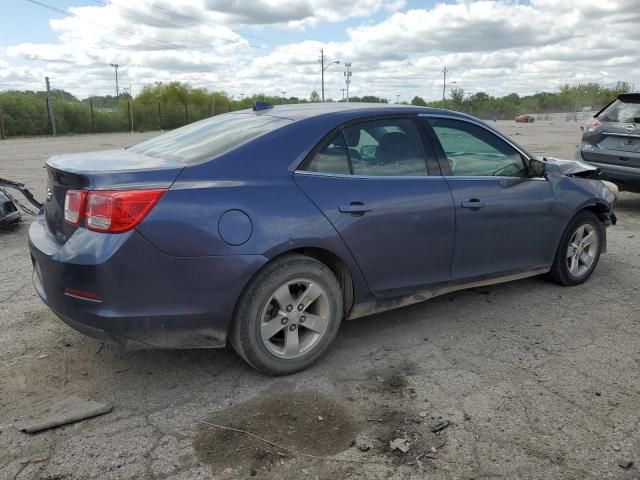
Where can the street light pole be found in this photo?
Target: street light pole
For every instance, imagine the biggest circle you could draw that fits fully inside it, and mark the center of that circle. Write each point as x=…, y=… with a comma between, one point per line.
x=115, y=66
x=322, y=59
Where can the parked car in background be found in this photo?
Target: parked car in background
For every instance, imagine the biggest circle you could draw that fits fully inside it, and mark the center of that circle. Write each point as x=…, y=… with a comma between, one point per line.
x=611, y=141
x=266, y=228
x=525, y=119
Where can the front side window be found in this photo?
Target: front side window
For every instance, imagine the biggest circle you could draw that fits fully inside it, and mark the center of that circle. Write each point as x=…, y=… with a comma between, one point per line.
x=389, y=147
x=471, y=150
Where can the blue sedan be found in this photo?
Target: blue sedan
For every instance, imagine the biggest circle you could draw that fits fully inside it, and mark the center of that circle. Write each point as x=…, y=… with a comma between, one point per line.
x=265, y=228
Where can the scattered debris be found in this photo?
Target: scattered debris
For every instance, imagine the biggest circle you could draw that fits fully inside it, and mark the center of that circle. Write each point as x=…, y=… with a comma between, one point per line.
x=375, y=419
x=43, y=356
x=626, y=464
x=69, y=410
x=401, y=444
x=434, y=449
x=616, y=448
x=379, y=379
x=320, y=418
x=440, y=426
x=364, y=444
x=467, y=417
x=423, y=414
x=598, y=394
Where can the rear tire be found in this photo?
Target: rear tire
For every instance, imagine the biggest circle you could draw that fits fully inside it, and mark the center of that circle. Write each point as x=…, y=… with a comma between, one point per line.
x=579, y=250
x=288, y=315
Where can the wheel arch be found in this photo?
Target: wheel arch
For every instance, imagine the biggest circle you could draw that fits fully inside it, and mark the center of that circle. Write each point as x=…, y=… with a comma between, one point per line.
x=331, y=260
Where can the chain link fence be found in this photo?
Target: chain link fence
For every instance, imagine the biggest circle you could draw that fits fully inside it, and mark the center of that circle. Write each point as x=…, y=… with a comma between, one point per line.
x=20, y=119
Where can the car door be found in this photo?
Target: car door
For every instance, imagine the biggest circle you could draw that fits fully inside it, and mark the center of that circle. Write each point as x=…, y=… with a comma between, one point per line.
x=396, y=215
x=504, y=218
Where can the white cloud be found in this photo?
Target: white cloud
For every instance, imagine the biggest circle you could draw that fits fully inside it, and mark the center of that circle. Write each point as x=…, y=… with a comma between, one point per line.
x=491, y=45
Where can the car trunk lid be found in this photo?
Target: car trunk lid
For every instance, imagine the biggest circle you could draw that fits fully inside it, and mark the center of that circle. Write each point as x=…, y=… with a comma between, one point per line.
x=104, y=170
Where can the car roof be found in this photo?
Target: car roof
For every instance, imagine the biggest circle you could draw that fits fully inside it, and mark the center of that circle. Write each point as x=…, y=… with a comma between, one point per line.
x=302, y=111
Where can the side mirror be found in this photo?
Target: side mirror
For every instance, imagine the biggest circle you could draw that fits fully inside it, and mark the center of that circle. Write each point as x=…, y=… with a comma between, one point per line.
x=537, y=168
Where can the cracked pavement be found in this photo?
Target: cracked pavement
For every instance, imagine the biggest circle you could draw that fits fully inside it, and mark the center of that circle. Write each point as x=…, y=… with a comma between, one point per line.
x=536, y=380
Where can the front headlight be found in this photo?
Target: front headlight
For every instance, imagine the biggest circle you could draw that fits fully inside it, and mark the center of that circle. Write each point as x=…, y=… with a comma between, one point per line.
x=613, y=187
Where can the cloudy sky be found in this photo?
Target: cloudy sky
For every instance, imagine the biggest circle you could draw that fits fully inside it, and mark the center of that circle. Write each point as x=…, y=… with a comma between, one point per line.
x=396, y=47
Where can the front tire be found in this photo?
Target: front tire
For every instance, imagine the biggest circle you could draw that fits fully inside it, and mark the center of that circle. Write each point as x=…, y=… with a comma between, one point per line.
x=288, y=315
x=579, y=250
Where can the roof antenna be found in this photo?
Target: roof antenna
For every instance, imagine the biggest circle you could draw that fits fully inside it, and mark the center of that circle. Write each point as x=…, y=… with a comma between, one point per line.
x=261, y=106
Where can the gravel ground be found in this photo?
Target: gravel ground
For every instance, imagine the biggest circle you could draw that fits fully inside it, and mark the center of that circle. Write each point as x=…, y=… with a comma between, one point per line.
x=535, y=380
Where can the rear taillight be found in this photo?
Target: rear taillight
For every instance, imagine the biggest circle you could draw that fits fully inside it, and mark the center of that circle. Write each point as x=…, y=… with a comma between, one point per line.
x=74, y=206
x=593, y=124
x=113, y=211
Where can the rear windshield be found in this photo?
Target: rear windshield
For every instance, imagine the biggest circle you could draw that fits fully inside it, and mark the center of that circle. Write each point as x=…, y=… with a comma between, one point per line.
x=625, y=110
x=205, y=139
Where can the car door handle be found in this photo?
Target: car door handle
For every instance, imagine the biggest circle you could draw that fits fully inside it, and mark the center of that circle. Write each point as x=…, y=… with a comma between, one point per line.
x=473, y=204
x=354, y=208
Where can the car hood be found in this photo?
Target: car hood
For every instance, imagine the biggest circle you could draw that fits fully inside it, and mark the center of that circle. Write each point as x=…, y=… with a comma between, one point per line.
x=573, y=167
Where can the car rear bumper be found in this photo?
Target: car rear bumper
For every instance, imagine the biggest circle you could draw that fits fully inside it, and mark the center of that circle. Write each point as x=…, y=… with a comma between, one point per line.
x=146, y=298
x=628, y=177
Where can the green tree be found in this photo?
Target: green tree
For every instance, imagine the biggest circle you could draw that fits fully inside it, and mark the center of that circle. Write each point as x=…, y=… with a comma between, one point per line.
x=315, y=97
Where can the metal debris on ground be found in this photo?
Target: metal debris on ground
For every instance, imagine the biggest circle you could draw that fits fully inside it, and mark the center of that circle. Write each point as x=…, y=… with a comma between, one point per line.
x=69, y=410
x=626, y=464
x=401, y=444
x=440, y=426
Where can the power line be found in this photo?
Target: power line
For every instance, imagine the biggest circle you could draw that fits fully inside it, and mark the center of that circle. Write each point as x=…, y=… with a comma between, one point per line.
x=168, y=46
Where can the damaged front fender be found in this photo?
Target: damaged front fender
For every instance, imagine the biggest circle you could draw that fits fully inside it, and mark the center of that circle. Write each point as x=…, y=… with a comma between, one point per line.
x=572, y=168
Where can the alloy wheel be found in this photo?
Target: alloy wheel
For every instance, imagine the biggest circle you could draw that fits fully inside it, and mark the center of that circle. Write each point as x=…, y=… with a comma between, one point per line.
x=295, y=318
x=582, y=250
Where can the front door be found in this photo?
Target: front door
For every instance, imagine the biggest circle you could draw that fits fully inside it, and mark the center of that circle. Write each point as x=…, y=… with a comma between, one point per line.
x=504, y=218
x=372, y=183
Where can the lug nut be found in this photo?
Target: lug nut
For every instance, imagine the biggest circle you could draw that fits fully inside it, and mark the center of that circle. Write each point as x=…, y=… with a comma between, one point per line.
x=302, y=319
x=289, y=308
x=284, y=321
x=300, y=307
x=292, y=327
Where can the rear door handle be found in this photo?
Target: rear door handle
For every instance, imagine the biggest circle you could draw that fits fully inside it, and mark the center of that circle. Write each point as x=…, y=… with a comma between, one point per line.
x=354, y=208
x=473, y=204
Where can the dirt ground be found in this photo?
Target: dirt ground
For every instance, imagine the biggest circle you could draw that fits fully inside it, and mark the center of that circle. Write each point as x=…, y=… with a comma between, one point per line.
x=534, y=380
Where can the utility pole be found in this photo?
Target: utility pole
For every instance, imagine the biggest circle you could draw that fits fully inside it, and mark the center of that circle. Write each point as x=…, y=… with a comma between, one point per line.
x=322, y=67
x=397, y=98
x=347, y=76
x=444, y=83
x=115, y=66
x=283, y=92
x=343, y=89
x=52, y=116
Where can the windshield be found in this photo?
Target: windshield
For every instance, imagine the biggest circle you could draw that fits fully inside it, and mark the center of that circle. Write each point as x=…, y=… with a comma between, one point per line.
x=622, y=111
x=206, y=139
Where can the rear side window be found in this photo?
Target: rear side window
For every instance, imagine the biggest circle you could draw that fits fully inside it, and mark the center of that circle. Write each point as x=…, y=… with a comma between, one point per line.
x=389, y=147
x=332, y=158
x=206, y=139
x=624, y=110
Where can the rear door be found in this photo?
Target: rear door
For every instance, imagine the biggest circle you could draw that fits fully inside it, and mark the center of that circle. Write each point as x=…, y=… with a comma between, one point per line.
x=504, y=219
x=385, y=196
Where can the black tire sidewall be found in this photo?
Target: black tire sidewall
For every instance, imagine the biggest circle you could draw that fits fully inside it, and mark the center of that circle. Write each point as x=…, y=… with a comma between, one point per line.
x=246, y=337
x=560, y=271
